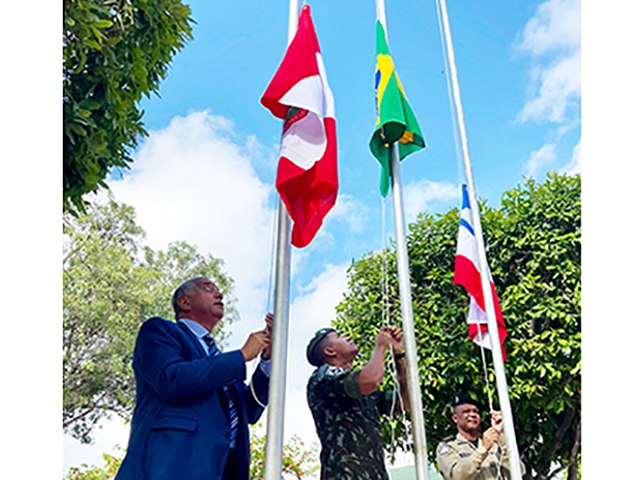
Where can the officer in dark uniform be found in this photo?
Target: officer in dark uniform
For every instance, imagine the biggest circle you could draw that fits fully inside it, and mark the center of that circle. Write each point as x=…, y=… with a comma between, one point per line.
x=347, y=404
x=470, y=454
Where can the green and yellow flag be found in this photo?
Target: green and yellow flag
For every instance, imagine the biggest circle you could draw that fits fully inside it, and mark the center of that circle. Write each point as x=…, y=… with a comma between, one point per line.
x=395, y=121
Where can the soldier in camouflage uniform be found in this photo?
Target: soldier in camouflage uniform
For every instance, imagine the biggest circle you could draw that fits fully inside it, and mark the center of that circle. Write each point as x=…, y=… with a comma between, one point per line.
x=470, y=455
x=346, y=404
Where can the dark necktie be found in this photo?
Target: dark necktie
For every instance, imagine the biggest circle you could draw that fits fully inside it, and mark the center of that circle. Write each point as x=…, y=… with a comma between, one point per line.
x=233, y=413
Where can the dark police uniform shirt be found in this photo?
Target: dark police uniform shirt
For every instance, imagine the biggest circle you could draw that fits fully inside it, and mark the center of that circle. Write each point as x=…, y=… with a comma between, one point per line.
x=348, y=425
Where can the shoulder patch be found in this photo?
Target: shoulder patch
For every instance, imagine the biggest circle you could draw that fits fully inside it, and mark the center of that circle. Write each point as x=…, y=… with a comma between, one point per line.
x=444, y=449
x=329, y=371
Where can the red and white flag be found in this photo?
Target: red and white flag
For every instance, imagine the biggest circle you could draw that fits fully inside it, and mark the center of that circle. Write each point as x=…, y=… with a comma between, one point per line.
x=467, y=273
x=307, y=176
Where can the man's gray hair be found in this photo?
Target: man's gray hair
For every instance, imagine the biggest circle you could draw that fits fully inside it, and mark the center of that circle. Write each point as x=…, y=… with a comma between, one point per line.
x=183, y=289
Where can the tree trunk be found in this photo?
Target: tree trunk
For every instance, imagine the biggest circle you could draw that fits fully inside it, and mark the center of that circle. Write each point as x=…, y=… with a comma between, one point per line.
x=574, y=471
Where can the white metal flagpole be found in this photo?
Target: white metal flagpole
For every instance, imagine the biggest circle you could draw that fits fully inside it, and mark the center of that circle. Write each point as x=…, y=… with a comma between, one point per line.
x=413, y=378
x=501, y=379
x=280, y=332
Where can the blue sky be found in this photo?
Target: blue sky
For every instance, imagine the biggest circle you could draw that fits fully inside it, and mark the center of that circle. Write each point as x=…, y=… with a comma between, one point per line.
x=205, y=174
x=519, y=65
x=520, y=87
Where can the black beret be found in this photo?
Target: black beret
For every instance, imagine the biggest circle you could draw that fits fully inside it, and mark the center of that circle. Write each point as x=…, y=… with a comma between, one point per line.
x=313, y=358
x=465, y=400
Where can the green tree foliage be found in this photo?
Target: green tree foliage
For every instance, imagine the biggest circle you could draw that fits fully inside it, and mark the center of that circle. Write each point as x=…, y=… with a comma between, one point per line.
x=533, y=248
x=107, y=472
x=298, y=460
x=114, y=51
x=111, y=284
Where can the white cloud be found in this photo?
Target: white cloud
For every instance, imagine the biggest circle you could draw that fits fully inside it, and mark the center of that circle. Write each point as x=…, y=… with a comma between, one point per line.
x=552, y=39
x=555, y=26
x=558, y=92
x=350, y=211
x=194, y=181
x=574, y=166
x=539, y=159
x=421, y=196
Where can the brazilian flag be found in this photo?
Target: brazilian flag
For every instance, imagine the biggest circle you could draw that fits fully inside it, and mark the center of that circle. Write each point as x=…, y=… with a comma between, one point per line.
x=395, y=121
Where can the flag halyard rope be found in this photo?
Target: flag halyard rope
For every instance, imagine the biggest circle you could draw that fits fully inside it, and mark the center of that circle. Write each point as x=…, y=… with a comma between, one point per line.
x=460, y=177
x=384, y=286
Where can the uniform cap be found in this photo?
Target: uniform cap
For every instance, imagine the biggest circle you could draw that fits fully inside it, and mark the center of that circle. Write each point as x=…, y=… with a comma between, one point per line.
x=312, y=356
x=465, y=400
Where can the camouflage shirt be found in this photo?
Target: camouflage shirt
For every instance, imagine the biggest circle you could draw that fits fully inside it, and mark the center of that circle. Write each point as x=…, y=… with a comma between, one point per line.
x=348, y=425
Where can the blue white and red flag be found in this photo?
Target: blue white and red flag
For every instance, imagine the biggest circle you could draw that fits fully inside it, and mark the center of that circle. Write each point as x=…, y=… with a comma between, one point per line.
x=467, y=274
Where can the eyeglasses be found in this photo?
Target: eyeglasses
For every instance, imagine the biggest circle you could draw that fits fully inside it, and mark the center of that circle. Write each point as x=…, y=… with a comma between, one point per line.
x=209, y=287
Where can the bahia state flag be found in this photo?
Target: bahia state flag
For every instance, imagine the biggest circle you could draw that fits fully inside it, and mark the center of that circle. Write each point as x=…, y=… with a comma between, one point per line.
x=395, y=121
x=467, y=273
x=307, y=176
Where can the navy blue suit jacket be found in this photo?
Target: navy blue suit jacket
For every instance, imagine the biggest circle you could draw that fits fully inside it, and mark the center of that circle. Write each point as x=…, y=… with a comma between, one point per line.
x=180, y=428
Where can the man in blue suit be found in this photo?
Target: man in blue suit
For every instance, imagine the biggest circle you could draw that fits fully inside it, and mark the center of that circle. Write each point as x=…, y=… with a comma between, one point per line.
x=192, y=411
